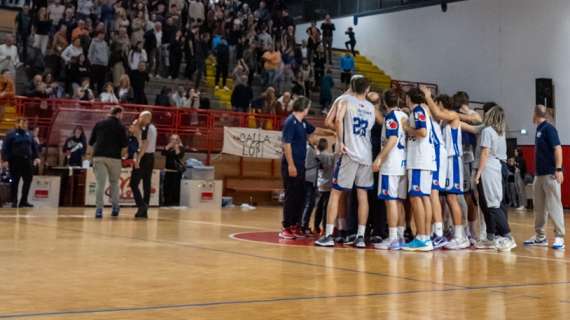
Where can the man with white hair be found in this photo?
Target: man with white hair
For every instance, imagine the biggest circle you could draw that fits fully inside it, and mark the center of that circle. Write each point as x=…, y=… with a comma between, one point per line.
x=144, y=164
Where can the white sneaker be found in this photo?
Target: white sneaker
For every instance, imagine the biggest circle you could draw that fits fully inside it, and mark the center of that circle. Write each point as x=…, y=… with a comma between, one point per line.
x=505, y=244
x=521, y=208
x=558, y=243
x=217, y=88
x=226, y=88
x=485, y=245
x=458, y=244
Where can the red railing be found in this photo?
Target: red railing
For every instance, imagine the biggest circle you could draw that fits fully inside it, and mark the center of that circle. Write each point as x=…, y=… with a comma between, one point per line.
x=200, y=130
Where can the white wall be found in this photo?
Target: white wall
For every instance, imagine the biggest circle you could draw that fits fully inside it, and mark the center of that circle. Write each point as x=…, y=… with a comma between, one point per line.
x=493, y=49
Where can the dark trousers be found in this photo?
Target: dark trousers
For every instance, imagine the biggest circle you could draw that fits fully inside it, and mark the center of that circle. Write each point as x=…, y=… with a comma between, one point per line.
x=99, y=75
x=321, y=213
x=144, y=173
x=352, y=44
x=495, y=218
x=221, y=70
x=294, y=196
x=175, y=62
x=20, y=168
x=199, y=73
x=377, y=219
x=327, y=43
x=172, y=188
x=310, y=199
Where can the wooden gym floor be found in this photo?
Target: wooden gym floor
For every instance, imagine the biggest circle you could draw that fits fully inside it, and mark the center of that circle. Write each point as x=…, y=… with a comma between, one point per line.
x=63, y=264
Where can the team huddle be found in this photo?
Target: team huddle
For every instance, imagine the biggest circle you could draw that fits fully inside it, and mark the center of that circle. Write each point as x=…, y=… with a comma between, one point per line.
x=438, y=160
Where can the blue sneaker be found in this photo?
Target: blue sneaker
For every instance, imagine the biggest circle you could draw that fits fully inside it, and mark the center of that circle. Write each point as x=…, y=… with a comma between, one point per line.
x=115, y=212
x=536, y=241
x=558, y=243
x=439, y=242
x=98, y=213
x=416, y=245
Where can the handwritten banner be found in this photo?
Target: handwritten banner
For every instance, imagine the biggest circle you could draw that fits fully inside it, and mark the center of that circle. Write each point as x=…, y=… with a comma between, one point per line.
x=252, y=143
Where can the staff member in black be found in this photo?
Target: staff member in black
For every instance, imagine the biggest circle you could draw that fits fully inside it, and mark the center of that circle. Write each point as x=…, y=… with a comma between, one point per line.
x=21, y=154
x=143, y=164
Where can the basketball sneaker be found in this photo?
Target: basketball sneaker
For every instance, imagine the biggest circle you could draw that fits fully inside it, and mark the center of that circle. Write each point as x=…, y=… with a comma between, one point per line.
x=505, y=244
x=375, y=239
x=98, y=213
x=536, y=241
x=325, y=241
x=485, y=244
x=287, y=234
x=558, y=243
x=115, y=212
x=359, y=242
x=388, y=245
x=439, y=242
x=298, y=232
x=349, y=239
x=339, y=237
x=418, y=245
x=458, y=244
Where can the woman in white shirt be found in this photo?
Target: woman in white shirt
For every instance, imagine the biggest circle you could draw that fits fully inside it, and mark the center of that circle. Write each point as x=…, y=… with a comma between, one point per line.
x=108, y=95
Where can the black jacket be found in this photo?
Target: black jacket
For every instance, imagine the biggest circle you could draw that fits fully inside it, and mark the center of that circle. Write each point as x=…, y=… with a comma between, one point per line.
x=108, y=138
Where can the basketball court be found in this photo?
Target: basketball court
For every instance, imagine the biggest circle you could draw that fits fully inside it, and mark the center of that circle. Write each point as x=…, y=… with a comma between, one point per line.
x=64, y=264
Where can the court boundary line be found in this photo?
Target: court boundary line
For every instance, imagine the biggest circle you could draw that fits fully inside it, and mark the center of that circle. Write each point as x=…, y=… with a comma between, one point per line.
x=266, y=300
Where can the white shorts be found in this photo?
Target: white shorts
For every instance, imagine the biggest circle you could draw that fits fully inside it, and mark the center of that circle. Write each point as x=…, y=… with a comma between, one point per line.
x=392, y=187
x=349, y=174
x=455, y=179
x=439, y=176
x=419, y=182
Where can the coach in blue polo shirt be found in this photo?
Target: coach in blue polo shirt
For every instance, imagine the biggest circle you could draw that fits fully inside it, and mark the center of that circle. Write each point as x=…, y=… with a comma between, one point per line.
x=549, y=178
x=294, y=136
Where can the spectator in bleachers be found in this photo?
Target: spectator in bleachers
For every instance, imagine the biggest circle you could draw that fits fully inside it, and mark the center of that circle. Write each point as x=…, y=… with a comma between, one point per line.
x=240, y=73
x=124, y=90
x=222, y=53
x=285, y=103
x=196, y=12
x=163, y=98
x=76, y=71
x=328, y=28
x=23, y=30
x=98, y=56
x=37, y=88
x=7, y=87
x=54, y=88
x=351, y=40
x=73, y=50
x=55, y=50
x=9, y=54
x=314, y=40
x=55, y=11
x=42, y=28
x=319, y=65
x=272, y=64
x=108, y=94
x=305, y=78
x=74, y=147
x=152, y=44
x=176, y=49
x=347, y=68
x=242, y=95
x=191, y=99
x=137, y=54
x=84, y=91
x=250, y=59
x=326, y=97
x=139, y=78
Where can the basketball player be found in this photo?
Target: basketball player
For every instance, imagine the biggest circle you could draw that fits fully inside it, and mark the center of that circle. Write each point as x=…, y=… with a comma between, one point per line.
x=442, y=109
x=439, y=177
x=354, y=120
x=391, y=163
x=420, y=163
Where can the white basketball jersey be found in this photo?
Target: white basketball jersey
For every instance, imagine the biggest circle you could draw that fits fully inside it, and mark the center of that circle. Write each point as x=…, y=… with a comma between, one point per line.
x=421, y=152
x=453, y=141
x=358, y=121
x=395, y=162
